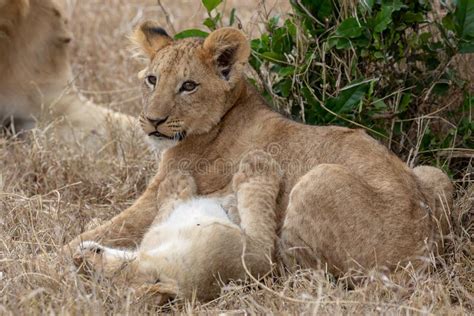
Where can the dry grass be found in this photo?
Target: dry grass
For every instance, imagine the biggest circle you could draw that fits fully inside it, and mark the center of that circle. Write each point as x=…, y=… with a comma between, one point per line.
x=49, y=192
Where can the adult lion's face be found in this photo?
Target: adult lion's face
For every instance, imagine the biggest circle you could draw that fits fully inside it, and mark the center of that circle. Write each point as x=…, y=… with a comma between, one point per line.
x=34, y=63
x=189, y=84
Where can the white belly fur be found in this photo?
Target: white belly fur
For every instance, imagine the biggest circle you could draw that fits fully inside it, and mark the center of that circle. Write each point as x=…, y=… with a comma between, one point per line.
x=170, y=240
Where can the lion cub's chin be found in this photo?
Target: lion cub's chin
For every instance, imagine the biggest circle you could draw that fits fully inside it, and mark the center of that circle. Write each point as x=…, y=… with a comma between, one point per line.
x=160, y=144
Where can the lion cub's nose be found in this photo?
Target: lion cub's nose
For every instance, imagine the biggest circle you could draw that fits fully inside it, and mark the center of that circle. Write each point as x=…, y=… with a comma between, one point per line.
x=66, y=40
x=156, y=122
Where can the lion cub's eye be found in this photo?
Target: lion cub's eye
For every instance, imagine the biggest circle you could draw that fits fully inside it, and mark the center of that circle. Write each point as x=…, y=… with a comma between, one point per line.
x=150, y=81
x=188, y=86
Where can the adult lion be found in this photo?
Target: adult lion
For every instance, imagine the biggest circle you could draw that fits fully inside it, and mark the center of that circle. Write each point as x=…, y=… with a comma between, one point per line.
x=36, y=73
x=345, y=201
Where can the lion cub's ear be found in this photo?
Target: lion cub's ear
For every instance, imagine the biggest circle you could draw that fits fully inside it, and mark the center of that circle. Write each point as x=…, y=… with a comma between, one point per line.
x=229, y=49
x=11, y=13
x=151, y=38
x=20, y=7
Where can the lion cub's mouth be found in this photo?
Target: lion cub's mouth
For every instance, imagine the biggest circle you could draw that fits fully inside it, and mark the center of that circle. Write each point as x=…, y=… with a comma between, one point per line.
x=177, y=137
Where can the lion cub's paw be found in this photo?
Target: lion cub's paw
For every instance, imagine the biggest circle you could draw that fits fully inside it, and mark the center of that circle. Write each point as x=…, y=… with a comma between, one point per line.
x=160, y=293
x=177, y=185
x=88, y=256
x=229, y=204
x=257, y=165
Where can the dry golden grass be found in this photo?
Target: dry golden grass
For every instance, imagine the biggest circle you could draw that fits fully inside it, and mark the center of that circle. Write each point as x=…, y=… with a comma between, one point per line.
x=49, y=192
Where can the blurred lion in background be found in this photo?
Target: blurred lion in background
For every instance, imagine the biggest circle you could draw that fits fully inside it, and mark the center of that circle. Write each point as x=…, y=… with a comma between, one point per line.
x=36, y=76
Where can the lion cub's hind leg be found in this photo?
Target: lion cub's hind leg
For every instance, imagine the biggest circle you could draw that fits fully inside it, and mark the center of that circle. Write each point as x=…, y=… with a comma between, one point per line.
x=335, y=219
x=95, y=259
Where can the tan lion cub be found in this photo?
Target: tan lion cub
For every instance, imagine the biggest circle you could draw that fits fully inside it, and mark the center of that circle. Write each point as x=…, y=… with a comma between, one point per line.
x=346, y=202
x=197, y=242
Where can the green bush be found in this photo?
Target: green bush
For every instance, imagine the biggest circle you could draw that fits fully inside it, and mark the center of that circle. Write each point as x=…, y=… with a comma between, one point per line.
x=385, y=66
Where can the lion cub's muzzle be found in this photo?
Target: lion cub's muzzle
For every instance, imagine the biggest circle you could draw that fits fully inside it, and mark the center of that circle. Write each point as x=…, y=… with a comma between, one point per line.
x=163, y=128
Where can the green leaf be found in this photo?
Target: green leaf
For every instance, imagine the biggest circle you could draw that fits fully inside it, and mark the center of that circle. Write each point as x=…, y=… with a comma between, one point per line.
x=448, y=22
x=384, y=16
x=272, y=23
x=291, y=29
x=468, y=104
x=405, y=102
x=281, y=41
x=378, y=55
x=257, y=45
x=286, y=71
x=232, y=17
x=380, y=106
x=383, y=19
x=425, y=37
x=350, y=27
x=211, y=4
x=348, y=98
x=209, y=23
x=339, y=43
x=411, y=17
x=273, y=57
x=441, y=88
x=284, y=87
x=362, y=42
x=320, y=9
x=467, y=47
x=343, y=43
x=395, y=4
x=366, y=6
x=191, y=33
x=464, y=18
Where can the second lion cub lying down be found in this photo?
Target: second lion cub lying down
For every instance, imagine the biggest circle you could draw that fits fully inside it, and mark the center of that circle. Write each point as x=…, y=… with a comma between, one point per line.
x=196, y=242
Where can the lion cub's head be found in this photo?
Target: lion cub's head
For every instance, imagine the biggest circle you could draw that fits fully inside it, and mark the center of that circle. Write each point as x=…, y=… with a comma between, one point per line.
x=191, y=83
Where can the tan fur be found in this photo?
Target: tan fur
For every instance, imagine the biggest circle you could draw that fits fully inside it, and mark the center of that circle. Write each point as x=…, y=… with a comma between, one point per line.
x=151, y=43
x=36, y=74
x=255, y=187
x=345, y=202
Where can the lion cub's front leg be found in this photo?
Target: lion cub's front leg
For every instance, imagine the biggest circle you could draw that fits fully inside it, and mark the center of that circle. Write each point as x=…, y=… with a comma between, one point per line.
x=256, y=185
x=127, y=228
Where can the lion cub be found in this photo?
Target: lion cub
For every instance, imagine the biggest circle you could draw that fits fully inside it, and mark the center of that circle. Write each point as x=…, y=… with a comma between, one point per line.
x=196, y=243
